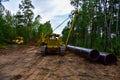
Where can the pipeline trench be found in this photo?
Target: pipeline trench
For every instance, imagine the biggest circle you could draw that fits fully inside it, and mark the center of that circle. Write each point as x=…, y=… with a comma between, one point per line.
x=27, y=64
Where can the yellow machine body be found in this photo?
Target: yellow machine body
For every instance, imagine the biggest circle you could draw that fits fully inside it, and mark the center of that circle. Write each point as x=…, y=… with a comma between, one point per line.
x=52, y=44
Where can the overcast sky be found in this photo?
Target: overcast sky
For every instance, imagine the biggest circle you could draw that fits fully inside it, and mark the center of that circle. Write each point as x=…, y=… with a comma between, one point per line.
x=54, y=10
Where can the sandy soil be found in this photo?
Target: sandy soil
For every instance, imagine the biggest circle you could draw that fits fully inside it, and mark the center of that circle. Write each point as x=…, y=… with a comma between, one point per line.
x=28, y=64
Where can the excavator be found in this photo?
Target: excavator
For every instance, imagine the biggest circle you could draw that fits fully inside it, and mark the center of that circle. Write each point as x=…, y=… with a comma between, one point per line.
x=53, y=43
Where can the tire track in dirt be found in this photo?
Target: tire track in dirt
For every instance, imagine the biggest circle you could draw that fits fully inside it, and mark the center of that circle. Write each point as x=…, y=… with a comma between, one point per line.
x=31, y=66
x=32, y=69
x=31, y=61
x=8, y=62
x=66, y=71
x=13, y=59
x=51, y=70
x=16, y=66
x=36, y=68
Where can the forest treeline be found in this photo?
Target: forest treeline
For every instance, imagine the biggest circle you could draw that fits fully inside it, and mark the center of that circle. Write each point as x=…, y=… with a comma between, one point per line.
x=21, y=24
x=97, y=25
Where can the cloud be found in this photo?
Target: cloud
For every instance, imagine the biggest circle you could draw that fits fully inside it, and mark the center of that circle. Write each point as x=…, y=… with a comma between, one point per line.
x=58, y=21
x=12, y=5
x=48, y=9
x=54, y=10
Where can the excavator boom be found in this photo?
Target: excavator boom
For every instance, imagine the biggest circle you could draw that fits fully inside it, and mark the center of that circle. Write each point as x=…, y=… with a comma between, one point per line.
x=71, y=27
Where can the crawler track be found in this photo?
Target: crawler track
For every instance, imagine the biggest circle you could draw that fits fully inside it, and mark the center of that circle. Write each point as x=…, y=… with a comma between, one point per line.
x=28, y=64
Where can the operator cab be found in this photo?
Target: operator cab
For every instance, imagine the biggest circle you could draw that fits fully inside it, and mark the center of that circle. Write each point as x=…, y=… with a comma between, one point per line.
x=54, y=36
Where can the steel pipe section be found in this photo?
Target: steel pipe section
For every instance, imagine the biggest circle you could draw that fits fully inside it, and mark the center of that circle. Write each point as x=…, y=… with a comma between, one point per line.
x=107, y=58
x=84, y=52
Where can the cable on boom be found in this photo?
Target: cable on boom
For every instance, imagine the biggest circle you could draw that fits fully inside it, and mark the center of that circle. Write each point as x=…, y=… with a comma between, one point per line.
x=61, y=23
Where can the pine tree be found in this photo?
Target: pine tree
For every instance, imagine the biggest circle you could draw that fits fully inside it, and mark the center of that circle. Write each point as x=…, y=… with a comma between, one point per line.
x=26, y=10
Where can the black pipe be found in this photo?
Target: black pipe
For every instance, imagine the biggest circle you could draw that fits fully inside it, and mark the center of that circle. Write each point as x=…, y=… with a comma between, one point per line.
x=107, y=58
x=84, y=52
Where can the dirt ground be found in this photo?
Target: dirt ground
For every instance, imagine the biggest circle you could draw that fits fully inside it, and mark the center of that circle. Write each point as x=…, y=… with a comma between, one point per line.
x=28, y=64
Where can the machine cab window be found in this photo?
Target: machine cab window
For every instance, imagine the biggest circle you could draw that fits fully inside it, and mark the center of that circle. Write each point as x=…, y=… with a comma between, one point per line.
x=54, y=36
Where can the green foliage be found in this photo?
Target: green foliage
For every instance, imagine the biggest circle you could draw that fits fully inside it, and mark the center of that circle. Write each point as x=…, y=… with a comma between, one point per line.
x=65, y=34
x=26, y=9
x=46, y=28
x=95, y=25
x=6, y=31
x=22, y=24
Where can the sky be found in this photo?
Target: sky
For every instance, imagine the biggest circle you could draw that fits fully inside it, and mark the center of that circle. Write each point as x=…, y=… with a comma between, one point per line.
x=54, y=10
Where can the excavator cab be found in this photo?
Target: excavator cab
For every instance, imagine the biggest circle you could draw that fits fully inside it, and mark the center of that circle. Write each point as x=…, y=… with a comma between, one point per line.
x=53, y=42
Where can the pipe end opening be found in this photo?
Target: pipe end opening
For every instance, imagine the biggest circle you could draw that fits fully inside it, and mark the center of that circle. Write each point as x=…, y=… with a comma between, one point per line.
x=94, y=55
x=111, y=59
